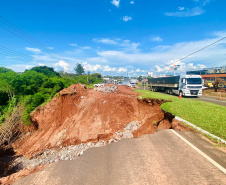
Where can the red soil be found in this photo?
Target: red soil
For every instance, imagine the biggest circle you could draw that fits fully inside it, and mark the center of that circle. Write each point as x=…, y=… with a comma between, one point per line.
x=78, y=115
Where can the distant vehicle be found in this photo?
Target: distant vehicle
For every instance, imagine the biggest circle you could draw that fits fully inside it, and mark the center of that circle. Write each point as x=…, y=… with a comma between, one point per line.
x=99, y=85
x=120, y=83
x=132, y=85
x=188, y=85
x=129, y=82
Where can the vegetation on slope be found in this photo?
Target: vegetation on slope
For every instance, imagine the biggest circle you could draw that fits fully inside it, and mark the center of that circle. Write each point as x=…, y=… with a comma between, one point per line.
x=33, y=88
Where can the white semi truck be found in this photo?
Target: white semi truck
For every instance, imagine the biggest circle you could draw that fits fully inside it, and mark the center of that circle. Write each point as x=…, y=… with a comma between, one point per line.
x=188, y=85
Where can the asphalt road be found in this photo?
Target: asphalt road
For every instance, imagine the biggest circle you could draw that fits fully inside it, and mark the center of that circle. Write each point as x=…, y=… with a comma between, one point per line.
x=211, y=100
x=160, y=158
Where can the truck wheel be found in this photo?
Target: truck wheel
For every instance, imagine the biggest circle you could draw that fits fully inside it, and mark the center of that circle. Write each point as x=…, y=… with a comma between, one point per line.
x=170, y=91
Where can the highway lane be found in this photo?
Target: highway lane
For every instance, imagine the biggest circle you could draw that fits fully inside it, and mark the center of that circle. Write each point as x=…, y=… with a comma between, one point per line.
x=160, y=158
x=211, y=100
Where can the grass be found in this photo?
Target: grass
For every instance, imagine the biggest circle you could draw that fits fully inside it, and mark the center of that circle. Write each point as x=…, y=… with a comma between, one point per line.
x=141, y=85
x=90, y=85
x=208, y=116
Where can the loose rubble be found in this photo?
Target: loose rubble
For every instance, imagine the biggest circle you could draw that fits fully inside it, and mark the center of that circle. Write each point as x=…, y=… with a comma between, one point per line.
x=71, y=152
x=106, y=89
x=78, y=119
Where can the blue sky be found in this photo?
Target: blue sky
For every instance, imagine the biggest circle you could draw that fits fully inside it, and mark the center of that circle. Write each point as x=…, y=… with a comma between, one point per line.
x=112, y=37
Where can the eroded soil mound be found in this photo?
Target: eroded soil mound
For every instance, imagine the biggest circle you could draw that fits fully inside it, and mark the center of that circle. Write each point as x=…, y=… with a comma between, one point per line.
x=78, y=115
x=79, y=118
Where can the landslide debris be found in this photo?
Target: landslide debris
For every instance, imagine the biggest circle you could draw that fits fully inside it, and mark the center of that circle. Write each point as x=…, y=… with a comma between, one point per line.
x=77, y=115
x=78, y=118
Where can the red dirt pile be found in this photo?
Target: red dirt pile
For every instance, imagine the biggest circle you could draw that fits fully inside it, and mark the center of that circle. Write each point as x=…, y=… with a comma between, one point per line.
x=79, y=115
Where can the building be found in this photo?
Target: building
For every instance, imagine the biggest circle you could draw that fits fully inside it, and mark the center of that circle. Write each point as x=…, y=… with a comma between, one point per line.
x=209, y=75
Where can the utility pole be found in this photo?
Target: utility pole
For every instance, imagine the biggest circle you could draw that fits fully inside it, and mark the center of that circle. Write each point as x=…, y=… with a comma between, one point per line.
x=87, y=77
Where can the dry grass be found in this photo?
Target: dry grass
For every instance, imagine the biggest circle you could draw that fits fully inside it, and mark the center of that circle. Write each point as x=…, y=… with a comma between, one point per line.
x=11, y=128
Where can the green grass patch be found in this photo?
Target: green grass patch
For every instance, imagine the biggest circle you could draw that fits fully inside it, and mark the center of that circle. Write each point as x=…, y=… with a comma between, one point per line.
x=141, y=85
x=90, y=85
x=208, y=116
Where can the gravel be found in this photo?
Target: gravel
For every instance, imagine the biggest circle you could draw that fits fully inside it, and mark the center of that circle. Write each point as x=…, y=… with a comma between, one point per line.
x=71, y=152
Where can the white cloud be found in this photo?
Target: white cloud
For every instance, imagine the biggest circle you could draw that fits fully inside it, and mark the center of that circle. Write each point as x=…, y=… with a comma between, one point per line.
x=115, y=3
x=76, y=45
x=108, y=68
x=180, y=8
x=220, y=34
x=95, y=60
x=50, y=48
x=44, y=58
x=181, y=69
x=20, y=67
x=126, y=44
x=131, y=2
x=62, y=64
x=204, y=2
x=127, y=18
x=41, y=64
x=28, y=67
x=157, y=39
x=121, y=69
x=89, y=67
x=97, y=67
x=73, y=44
x=214, y=55
x=35, y=50
x=138, y=70
x=105, y=41
x=86, y=47
x=187, y=13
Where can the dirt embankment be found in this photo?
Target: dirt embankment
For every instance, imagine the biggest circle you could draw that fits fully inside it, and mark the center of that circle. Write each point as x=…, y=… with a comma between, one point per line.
x=80, y=116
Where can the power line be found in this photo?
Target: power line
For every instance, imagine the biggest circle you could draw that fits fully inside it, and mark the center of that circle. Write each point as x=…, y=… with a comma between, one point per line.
x=12, y=52
x=23, y=32
x=12, y=57
x=194, y=52
x=200, y=50
x=24, y=36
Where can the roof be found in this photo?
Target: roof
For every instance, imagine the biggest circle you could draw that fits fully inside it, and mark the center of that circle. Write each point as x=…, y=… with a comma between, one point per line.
x=214, y=75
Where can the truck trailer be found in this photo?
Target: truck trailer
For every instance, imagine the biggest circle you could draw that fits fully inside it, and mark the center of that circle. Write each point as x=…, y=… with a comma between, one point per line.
x=188, y=85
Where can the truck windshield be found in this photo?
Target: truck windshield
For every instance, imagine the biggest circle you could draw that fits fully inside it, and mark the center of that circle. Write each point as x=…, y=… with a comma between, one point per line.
x=194, y=81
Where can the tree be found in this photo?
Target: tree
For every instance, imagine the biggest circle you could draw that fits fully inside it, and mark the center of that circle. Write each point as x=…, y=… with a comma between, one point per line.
x=140, y=78
x=48, y=71
x=4, y=70
x=97, y=75
x=79, y=69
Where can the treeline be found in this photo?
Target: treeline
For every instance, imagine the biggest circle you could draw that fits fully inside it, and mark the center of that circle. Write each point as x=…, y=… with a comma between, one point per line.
x=34, y=87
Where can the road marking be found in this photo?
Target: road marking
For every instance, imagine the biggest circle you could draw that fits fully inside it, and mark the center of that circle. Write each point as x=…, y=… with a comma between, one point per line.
x=201, y=153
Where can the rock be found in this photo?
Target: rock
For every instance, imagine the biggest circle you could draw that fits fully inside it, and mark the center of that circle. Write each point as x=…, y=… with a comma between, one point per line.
x=127, y=134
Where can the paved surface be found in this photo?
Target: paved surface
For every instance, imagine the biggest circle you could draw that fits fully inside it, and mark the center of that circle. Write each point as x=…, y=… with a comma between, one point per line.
x=160, y=158
x=211, y=100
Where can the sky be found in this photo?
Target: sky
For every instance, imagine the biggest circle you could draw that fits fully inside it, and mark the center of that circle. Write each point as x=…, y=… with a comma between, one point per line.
x=112, y=37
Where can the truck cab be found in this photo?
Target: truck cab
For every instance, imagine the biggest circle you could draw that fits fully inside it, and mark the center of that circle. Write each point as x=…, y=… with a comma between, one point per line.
x=190, y=85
